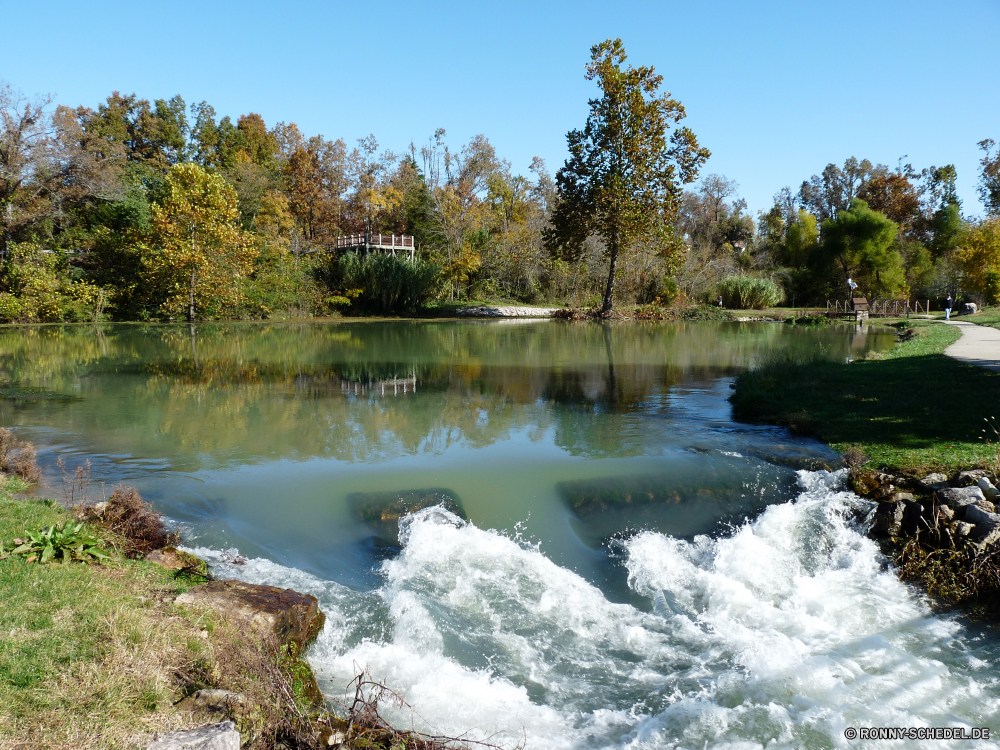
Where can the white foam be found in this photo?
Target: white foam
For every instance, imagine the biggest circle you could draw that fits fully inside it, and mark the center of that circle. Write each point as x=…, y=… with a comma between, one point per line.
x=780, y=635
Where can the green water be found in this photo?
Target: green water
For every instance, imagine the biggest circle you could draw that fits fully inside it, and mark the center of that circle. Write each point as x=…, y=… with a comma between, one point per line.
x=254, y=435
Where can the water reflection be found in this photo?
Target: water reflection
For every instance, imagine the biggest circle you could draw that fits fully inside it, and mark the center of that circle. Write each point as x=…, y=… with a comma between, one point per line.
x=232, y=394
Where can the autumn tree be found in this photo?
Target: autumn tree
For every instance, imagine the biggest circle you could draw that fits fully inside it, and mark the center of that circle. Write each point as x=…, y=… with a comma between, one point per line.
x=196, y=251
x=978, y=256
x=622, y=180
x=989, y=178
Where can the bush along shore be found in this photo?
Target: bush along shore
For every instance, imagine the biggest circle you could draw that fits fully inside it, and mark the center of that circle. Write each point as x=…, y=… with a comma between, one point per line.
x=910, y=426
x=113, y=637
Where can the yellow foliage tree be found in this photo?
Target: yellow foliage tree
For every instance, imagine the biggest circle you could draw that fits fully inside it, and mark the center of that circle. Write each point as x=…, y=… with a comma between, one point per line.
x=978, y=254
x=196, y=250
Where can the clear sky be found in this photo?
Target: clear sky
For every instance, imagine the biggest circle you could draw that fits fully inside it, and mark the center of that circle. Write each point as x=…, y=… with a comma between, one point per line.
x=776, y=90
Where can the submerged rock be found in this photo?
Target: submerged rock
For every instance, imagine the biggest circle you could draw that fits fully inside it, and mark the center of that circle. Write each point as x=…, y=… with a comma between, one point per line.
x=683, y=508
x=291, y=616
x=222, y=736
x=381, y=511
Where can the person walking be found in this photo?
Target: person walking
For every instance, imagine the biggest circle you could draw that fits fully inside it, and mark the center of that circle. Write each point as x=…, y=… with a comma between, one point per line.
x=947, y=307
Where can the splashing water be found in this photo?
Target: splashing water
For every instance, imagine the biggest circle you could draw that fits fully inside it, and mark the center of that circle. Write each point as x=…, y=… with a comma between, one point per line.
x=781, y=634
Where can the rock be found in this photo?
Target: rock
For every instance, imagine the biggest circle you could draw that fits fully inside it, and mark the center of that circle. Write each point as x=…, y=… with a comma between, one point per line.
x=945, y=512
x=987, y=487
x=969, y=308
x=900, y=496
x=214, y=700
x=888, y=518
x=956, y=497
x=172, y=558
x=965, y=478
x=987, y=525
x=381, y=511
x=912, y=513
x=935, y=481
x=963, y=529
x=222, y=736
x=291, y=616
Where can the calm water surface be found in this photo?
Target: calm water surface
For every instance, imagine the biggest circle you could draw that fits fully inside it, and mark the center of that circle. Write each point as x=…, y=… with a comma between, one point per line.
x=633, y=567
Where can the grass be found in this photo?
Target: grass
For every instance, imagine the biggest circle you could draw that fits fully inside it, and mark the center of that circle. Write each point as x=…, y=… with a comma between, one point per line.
x=909, y=410
x=96, y=656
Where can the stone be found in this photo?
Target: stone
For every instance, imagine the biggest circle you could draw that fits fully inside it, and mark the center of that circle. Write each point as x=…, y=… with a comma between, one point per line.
x=381, y=511
x=969, y=308
x=935, y=481
x=987, y=525
x=989, y=491
x=888, y=518
x=900, y=496
x=963, y=529
x=292, y=617
x=214, y=700
x=221, y=736
x=172, y=558
x=945, y=512
x=965, y=478
x=956, y=497
x=912, y=513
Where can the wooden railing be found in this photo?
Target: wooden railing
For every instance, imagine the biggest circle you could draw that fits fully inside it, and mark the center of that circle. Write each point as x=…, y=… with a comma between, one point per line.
x=881, y=308
x=375, y=240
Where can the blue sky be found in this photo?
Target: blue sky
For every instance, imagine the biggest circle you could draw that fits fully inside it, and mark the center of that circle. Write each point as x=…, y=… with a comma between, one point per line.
x=776, y=90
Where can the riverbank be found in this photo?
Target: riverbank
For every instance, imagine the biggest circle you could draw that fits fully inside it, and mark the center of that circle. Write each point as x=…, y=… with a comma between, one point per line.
x=101, y=655
x=910, y=410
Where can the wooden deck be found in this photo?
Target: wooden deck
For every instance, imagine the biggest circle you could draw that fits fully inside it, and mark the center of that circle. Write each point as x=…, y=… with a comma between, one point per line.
x=371, y=242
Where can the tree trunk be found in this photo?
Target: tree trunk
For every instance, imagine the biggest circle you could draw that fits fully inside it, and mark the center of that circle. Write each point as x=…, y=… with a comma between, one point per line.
x=609, y=290
x=191, y=299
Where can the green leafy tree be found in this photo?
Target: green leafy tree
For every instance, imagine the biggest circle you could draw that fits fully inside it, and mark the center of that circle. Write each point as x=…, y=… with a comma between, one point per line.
x=623, y=175
x=860, y=243
x=196, y=251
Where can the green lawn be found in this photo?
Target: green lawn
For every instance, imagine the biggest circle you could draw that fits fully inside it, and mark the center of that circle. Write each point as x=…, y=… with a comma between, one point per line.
x=909, y=410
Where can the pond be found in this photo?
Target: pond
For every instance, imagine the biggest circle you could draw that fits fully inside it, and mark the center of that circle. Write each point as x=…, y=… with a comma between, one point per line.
x=603, y=556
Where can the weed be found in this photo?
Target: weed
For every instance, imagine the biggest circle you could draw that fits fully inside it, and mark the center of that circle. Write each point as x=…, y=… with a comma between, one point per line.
x=65, y=542
x=18, y=458
x=137, y=528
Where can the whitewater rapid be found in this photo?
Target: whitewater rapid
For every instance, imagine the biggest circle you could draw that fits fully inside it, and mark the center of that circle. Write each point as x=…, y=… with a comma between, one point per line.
x=781, y=633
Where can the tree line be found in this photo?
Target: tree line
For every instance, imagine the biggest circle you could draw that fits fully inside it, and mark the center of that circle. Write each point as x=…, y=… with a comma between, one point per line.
x=151, y=210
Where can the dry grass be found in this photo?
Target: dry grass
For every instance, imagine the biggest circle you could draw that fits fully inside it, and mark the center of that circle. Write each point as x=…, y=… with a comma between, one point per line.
x=18, y=458
x=135, y=527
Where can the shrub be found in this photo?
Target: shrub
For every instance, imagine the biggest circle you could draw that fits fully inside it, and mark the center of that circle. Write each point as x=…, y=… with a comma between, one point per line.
x=388, y=283
x=749, y=293
x=139, y=528
x=18, y=458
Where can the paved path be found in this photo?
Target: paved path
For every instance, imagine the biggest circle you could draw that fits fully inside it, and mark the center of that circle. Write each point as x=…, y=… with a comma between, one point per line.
x=979, y=345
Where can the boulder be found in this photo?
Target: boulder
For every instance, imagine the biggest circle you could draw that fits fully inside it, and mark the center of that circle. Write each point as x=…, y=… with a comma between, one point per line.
x=987, y=525
x=966, y=478
x=935, y=481
x=291, y=616
x=969, y=308
x=987, y=487
x=899, y=496
x=172, y=558
x=222, y=736
x=956, y=497
x=963, y=529
x=888, y=518
x=381, y=511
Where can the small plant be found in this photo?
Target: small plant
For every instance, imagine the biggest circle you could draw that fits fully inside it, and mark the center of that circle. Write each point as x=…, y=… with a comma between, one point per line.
x=65, y=542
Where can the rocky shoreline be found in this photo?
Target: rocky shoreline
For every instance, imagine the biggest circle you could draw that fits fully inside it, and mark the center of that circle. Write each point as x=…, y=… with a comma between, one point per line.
x=941, y=533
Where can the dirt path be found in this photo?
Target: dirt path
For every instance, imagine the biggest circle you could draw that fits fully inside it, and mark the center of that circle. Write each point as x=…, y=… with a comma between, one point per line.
x=979, y=345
